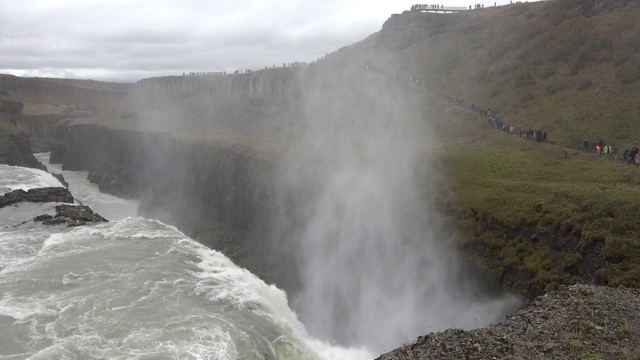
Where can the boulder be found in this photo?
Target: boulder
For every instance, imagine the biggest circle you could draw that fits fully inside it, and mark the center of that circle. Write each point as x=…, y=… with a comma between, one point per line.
x=71, y=215
x=49, y=194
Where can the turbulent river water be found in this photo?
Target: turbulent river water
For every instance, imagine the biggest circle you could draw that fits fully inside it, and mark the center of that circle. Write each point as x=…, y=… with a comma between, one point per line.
x=133, y=288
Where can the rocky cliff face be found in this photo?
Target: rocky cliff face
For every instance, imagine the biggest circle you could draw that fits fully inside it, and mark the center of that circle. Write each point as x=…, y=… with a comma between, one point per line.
x=110, y=155
x=155, y=167
x=31, y=108
x=15, y=147
x=215, y=194
x=19, y=152
x=13, y=109
x=279, y=83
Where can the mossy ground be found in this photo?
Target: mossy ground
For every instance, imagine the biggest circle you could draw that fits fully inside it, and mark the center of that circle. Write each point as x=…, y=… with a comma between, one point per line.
x=516, y=201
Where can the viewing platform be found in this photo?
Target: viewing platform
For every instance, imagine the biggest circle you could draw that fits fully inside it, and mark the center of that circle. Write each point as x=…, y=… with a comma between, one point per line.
x=437, y=8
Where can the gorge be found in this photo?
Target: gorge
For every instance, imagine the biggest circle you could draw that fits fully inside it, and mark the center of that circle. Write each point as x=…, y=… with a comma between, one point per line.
x=353, y=187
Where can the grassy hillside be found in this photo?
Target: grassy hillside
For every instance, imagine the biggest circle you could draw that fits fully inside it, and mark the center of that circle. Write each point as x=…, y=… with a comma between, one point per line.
x=571, y=67
x=536, y=214
x=541, y=211
x=43, y=96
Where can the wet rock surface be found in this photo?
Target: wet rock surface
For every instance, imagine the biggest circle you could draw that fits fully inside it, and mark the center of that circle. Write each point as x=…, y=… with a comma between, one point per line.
x=71, y=215
x=16, y=146
x=573, y=322
x=19, y=152
x=40, y=195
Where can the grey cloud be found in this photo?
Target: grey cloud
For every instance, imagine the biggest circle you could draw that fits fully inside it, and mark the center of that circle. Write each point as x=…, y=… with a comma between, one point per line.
x=124, y=40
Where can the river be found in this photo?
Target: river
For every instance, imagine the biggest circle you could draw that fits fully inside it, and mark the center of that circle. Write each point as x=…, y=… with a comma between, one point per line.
x=132, y=288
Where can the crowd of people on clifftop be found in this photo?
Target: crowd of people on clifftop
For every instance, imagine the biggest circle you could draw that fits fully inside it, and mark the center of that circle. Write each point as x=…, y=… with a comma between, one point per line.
x=495, y=121
x=602, y=149
x=607, y=150
x=438, y=7
x=209, y=73
x=610, y=152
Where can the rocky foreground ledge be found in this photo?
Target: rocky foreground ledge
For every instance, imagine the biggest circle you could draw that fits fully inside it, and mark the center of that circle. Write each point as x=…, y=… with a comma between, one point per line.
x=71, y=215
x=573, y=322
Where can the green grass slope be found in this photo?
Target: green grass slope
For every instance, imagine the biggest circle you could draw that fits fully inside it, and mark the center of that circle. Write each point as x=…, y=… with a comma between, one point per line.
x=571, y=67
x=547, y=213
x=44, y=96
x=536, y=215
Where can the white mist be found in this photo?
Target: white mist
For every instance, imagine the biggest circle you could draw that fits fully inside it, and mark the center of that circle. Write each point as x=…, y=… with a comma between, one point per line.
x=376, y=271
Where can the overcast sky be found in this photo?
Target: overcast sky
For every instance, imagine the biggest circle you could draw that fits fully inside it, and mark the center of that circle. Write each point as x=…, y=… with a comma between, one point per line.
x=127, y=40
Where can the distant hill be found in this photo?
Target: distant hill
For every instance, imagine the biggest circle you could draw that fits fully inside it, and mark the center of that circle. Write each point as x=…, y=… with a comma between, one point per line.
x=571, y=67
x=24, y=101
x=47, y=96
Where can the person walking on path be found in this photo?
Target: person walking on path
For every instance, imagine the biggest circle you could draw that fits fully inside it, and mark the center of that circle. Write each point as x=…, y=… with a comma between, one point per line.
x=625, y=156
x=632, y=154
x=586, y=145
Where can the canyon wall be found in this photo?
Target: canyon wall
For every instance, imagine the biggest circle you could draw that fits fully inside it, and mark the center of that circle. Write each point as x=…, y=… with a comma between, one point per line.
x=278, y=83
x=15, y=147
x=216, y=194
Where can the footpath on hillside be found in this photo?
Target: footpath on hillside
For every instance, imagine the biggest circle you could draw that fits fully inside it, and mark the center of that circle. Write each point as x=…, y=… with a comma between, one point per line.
x=605, y=149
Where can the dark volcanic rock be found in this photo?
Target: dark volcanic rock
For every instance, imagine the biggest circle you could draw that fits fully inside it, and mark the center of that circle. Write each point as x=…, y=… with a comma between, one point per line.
x=58, y=151
x=42, y=128
x=574, y=322
x=19, y=152
x=11, y=108
x=49, y=194
x=49, y=219
x=72, y=215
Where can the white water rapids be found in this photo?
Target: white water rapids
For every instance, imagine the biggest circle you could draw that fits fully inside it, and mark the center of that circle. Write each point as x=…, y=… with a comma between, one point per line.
x=132, y=288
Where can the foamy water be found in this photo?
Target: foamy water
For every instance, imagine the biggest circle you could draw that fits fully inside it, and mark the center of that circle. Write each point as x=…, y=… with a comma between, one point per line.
x=109, y=206
x=134, y=289
x=16, y=177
